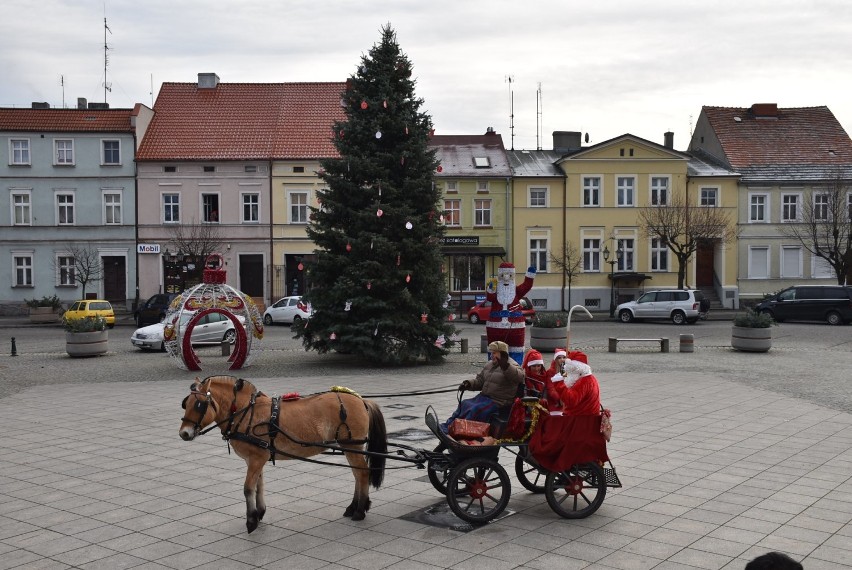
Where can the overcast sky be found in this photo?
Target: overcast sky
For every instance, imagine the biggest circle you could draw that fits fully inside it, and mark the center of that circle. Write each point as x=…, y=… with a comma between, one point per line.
x=606, y=67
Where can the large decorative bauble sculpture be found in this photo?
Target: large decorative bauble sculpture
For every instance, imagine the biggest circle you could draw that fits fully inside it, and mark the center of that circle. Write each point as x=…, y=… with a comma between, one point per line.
x=213, y=295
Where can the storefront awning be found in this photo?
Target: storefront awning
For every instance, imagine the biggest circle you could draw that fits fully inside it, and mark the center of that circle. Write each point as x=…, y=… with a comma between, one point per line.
x=473, y=250
x=627, y=276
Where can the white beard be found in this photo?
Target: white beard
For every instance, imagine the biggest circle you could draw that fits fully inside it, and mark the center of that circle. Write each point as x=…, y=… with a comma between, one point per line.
x=505, y=293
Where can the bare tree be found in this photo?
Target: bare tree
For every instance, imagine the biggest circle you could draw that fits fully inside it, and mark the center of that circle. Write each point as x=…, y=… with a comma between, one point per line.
x=196, y=240
x=682, y=228
x=84, y=266
x=825, y=226
x=570, y=263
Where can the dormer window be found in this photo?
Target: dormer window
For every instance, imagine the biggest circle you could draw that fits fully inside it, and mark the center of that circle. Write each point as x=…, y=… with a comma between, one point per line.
x=209, y=169
x=481, y=162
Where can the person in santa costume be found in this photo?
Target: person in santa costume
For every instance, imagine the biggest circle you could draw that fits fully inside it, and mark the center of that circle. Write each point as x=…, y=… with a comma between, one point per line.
x=557, y=363
x=539, y=379
x=506, y=321
x=577, y=388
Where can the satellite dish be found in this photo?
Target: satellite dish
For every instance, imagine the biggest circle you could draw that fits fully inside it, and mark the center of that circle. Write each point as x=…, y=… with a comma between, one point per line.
x=587, y=137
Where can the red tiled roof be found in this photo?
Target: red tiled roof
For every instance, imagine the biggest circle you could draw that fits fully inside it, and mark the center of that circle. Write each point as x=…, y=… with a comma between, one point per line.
x=66, y=120
x=797, y=135
x=243, y=121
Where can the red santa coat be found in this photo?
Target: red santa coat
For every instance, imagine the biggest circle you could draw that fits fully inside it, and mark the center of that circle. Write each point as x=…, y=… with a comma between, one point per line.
x=583, y=398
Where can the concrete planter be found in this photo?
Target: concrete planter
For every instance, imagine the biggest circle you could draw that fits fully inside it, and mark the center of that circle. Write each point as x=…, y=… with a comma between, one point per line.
x=86, y=343
x=41, y=315
x=547, y=339
x=751, y=339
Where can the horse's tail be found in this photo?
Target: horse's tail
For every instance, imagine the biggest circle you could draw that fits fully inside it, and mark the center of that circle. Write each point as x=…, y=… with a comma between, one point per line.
x=377, y=444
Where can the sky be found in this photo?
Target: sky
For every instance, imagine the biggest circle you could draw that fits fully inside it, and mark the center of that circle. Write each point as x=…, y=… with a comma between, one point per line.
x=603, y=68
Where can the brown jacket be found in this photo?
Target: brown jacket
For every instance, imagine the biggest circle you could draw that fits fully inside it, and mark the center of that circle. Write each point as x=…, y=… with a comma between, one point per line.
x=499, y=385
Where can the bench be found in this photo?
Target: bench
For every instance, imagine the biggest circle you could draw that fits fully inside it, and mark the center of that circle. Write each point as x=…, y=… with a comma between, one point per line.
x=613, y=342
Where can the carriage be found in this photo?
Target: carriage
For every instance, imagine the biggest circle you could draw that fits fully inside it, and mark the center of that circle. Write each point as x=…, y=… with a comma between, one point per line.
x=477, y=487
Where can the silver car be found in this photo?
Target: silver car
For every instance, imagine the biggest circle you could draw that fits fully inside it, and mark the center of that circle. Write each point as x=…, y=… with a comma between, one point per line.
x=287, y=310
x=212, y=328
x=679, y=305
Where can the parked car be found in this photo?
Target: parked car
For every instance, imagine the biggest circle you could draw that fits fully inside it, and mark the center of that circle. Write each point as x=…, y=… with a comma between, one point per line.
x=679, y=305
x=830, y=303
x=213, y=328
x=154, y=309
x=91, y=308
x=480, y=311
x=287, y=310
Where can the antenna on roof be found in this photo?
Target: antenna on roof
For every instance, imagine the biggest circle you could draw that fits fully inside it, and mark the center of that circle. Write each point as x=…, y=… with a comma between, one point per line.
x=151, y=93
x=538, y=109
x=510, y=79
x=107, y=85
x=62, y=83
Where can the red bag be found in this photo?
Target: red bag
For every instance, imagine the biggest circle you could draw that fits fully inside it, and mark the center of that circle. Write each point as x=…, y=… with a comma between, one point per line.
x=468, y=429
x=515, y=427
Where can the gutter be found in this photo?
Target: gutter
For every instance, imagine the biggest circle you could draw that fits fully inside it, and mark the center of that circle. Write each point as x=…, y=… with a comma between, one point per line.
x=564, y=234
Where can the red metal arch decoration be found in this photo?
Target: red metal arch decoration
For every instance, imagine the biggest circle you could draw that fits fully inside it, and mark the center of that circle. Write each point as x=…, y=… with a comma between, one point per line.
x=239, y=354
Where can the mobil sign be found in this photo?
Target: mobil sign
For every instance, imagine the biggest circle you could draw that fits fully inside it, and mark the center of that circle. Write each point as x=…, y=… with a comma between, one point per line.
x=147, y=248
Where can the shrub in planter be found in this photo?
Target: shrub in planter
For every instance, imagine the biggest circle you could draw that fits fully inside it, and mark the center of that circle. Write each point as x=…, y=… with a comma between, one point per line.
x=44, y=310
x=53, y=302
x=751, y=332
x=754, y=320
x=550, y=320
x=548, y=331
x=86, y=337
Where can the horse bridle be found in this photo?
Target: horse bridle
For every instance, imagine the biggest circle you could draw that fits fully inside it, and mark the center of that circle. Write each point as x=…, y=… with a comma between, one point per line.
x=200, y=406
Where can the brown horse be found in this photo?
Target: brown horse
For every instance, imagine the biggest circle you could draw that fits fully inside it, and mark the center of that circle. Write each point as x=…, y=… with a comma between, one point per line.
x=261, y=428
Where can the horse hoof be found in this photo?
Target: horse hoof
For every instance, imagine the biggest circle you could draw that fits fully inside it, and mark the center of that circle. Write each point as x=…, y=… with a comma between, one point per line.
x=260, y=514
x=251, y=525
x=349, y=510
x=358, y=516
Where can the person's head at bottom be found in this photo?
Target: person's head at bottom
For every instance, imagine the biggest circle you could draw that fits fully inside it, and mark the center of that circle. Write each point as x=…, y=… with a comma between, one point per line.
x=773, y=561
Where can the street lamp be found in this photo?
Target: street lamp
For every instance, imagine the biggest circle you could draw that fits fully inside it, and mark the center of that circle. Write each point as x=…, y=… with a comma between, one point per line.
x=618, y=253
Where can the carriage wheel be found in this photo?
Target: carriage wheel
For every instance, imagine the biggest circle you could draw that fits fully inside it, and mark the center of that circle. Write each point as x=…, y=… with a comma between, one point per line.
x=576, y=492
x=530, y=475
x=438, y=474
x=478, y=490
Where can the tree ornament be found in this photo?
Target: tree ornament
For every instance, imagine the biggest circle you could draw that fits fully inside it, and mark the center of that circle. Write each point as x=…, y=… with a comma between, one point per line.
x=452, y=316
x=441, y=218
x=341, y=133
x=424, y=318
x=332, y=336
x=369, y=285
x=408, y=278
x=408, y=225
x=301, y=266
x=385, y=103
x=364, y=104
x=406, y=129
x=398, y=258
x=348, y=306
x=378, y=134
x=402, y=160
x=376, y=330
x=439, y=169
x=348, y=247
x=379, y=212
x=342, y=102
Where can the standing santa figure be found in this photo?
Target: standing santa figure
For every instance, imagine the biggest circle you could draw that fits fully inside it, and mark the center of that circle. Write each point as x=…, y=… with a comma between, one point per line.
x=506, y=321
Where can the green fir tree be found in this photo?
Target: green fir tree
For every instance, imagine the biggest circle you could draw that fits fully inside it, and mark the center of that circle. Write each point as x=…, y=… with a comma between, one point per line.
x=378, y=287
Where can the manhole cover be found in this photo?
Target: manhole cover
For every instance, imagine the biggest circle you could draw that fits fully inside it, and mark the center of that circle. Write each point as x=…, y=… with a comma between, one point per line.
x=398, y=406
x=441, y=516
x=411, y=434
x=405, y=418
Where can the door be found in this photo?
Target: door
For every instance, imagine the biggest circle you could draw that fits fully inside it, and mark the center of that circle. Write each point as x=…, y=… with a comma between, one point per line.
x=645, y=304
x=115, y=279
x=251, y=275
x=704, y=261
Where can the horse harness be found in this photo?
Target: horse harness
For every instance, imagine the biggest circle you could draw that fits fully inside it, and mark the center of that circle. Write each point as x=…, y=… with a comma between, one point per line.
x=251, y=434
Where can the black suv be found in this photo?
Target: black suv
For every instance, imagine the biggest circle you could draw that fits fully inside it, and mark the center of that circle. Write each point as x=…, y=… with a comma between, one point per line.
x=830, y=303
x=153, y=310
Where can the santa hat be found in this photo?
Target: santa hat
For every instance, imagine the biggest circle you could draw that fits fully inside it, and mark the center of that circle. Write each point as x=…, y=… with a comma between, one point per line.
x=532, y=358
x=559, y=352
x=506, y=268
x=578, y=356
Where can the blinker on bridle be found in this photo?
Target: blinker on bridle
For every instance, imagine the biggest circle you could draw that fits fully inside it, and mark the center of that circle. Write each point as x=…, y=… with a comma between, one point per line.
x=200, y=405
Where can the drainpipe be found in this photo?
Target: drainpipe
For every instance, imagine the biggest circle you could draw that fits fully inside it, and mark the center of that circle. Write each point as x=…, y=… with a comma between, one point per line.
x=136, y=220
x=270, y=300
x=509, y=224
x=564, y=233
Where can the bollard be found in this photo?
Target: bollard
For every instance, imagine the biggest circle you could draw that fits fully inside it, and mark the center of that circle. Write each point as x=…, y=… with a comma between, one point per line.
x=464, y=346
x=226, y=348
x=687, y=343
x=14, y=349
x=483, y=344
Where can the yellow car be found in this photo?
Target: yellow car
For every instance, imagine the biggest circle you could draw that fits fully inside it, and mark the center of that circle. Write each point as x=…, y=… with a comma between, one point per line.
x=91, y=308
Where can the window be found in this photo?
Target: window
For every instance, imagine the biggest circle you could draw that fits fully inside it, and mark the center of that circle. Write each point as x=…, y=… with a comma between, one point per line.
x=821, y=269
x=19, y=151
x=209, y=169
x=21, y=208
x=709, y=197
x=170, y=169
x=481, y=162
x=249, y=168
x=538, y=254
x=171, y=208
x=482, y=186
x=791, y=261
x=538, y=197
x=757, y=207
x=821, y=207
x=298, y=207
x=627, y=247
x=591, y=254
x=66, y=270
x=591, y=191
x=64, y=209
x=251, y=208
x=790, y=208
x=849, y=207
x=659, y=255
x=452, y=186
x=452, y=212
x=210, y=208
x=112, y=152
x=625, y=187
x=659, y=190
x=23, y=270
x=468, y=272
x=112, y=208
x=482, y=212
x=63, y=151
x=758, y=262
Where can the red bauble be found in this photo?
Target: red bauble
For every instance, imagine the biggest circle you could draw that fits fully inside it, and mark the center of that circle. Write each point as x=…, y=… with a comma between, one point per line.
x=363, y=104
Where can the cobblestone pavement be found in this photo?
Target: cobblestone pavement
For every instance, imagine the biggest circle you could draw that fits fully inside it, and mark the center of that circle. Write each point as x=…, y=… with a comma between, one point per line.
x=723, y=456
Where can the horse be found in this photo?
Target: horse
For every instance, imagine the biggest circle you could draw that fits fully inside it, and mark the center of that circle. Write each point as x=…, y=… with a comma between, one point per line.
x=261, y=429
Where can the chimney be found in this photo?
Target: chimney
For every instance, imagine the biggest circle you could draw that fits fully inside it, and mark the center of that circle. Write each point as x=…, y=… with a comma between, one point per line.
x=490, y=131
x=668, y=139
x=40, y=105
x=765, y=110
x=566, y=141
x=81, y=102
x=99, y=106
x=207, y=80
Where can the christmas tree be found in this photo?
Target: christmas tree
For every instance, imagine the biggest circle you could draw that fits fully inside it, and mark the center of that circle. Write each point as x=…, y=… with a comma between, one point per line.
x=377, y=284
